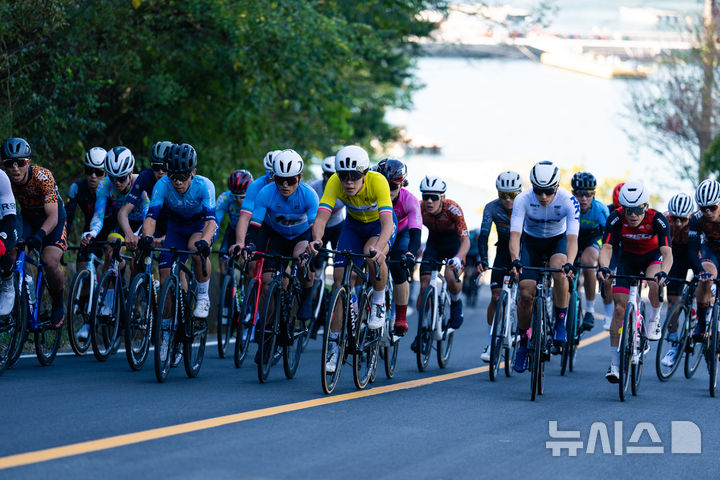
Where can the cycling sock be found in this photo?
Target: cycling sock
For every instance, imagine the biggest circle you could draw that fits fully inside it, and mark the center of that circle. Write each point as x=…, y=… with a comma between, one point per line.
x=401, y=312
x=589, y=305
x=614, y=355
x=378, y=297
x=560, y=314
x=203, y=288
x=455, y=296
x=655, y=313
x=609, y=307
x=305, y=293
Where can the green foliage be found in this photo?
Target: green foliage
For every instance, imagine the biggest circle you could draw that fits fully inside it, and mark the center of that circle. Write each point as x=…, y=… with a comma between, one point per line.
x=711, y=156
x=235, y=78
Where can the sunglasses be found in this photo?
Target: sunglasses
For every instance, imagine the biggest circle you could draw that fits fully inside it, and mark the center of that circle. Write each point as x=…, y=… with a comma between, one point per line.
x=350, y=176
x=430, y=197
x=122, y=179
x=508, y=195
x=394, y=186
x=179, y=176
x=237, y=196
x=710, y=208
x=289, y=181
x=635, y=210
x=158, y=168
x=544, y=191
x=15, y=162
x=98, y=172
x=327, y=175
x=584, y=193
x=680, y=219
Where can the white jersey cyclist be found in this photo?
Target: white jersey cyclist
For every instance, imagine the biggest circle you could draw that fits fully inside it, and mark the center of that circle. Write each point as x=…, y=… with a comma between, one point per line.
x=562, y=215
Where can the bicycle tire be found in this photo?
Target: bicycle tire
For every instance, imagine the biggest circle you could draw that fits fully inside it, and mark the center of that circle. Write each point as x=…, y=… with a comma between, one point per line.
x=498, y=336
x=194, y=345
x=296, y=331
x=140, y=318
x=390, y=355
x=226, y=315
x=47, y=337
x=444, y=346
x=626, y=350
x=367, y=344
x=317, y=296
x=536, y=344
x=637, y=368
x=571, y=321
x=245, y=324
x=164, y=329
x=104, y=330
x=76, y=312
x=712, y=354
x=19, y=313
x=339, y=299
x=694, y=351
x=8, y=335
x=680, y=315
x=268, y=339
x=425, y=331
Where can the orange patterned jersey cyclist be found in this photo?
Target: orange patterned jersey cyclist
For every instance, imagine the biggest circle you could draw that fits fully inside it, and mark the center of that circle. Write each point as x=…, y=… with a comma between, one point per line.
x=369, y=228
x=43, y=216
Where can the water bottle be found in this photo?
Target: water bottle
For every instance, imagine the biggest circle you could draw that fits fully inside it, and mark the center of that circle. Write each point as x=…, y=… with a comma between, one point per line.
x=354, y=309
x=30, y=288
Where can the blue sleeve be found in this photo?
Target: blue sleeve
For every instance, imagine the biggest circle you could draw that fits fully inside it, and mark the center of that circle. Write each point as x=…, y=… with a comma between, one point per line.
x=140, y=186
x=71, y=204
x=262, y=200
x=157, y=200
x=209, y=201
x=313, y=202
x=604, y=214
x=103, y=191
x=221, y=207
x=252, y=192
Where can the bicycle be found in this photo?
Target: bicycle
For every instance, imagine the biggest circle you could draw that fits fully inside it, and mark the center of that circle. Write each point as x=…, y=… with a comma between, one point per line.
x=390, y=342
x=319, y=301
x=141, y=311
x=175, y=327
x=33, y=310
x=573, y=322
x=9, y=327
x=504, y=327
x=633, y=338
x=249, y=311
x=354, y=337
x=433, y=319
x=678, y=324
x=280, y=326
x=231, y=299
x=79, y=311
x=706, y=348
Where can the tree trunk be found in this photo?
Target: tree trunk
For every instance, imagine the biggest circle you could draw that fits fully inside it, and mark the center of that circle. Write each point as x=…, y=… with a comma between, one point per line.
x=708, y=55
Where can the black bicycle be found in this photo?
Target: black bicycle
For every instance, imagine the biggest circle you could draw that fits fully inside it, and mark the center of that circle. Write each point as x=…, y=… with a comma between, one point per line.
x=676, y=333
x=141, y=309
x=231, y=299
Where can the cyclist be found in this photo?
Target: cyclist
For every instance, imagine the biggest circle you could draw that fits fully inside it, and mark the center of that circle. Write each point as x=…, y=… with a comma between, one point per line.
x=448, y=238
x=407, y=239
x=8, y=238
x=593, y=215
x=509, y=186
x=641, y=236
x=141, y=191
x=704, y=248
x=615, y=198
x=43, y=216
x=369, y=228
x=230, y=202
x=249, y=201
x=680, y=208
x=190, y=202
x=544, y=225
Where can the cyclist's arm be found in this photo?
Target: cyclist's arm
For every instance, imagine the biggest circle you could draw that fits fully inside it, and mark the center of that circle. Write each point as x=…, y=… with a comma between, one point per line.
x=318, y=228
x=514, y=245
x=662, y=229
x=464, y=247
x=694, y=241
x=71, y=204
x=148, y=228
x=667, y=258
x=51, y=217
x=386, y=229
x=122, y=218
x=209, y=230
x=605, y=255
x=572, y=247
x=414, y=243
x=611, y=239
x=516, y=226
x=482, y=239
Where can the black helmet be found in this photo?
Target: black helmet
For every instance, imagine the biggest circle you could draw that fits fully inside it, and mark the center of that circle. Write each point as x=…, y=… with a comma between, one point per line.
x=13, y=148
x=394, y=170
x=583, y=181
x=181, y=158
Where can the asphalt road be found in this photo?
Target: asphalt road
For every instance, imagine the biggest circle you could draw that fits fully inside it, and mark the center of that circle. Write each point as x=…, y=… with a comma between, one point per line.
x=81, y=418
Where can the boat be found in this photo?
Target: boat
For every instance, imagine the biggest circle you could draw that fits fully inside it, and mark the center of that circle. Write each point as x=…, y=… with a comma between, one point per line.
x=595, y=65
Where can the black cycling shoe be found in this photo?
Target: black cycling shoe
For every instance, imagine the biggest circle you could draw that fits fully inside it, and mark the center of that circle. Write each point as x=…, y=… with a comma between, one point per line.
x=588, y=322
x=414, y=345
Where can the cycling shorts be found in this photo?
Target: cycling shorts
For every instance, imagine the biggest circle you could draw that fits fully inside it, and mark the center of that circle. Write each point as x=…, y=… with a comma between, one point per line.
x=534, y=252
x=178, y=235
x=633, y=264
x=280, y=245
x=438, y=252
x=56, y=238
x=355, y=234
x=502, y=260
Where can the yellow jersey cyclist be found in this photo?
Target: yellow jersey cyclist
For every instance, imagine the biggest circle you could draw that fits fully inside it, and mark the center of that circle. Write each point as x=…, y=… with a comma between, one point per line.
x=370, y=227
x=544, y=225
x=43, y=216
x=593, y=215
x=509, y=186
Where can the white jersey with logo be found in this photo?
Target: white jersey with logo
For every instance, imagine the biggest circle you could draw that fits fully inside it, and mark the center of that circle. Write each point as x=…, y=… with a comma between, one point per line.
x=562, y=215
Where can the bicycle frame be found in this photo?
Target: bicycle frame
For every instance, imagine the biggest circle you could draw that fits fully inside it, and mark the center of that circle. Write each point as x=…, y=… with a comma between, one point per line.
x=33, y=307
x=510, y=287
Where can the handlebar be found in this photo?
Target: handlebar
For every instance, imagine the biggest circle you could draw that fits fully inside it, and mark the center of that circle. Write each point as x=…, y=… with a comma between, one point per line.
x=349, y=254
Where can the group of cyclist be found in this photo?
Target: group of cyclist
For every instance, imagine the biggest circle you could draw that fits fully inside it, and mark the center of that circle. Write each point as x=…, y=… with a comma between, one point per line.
x=363, y=210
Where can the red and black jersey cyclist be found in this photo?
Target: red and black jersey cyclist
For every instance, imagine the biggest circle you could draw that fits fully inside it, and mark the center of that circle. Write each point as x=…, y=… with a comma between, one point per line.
x=680, y=208
x=704, y=247
x=448, y=238
x=642, y=237
x=43, y=216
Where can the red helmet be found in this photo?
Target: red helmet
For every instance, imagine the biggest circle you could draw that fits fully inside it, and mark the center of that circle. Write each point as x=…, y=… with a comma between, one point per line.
x=616, y=194
x=239, y=181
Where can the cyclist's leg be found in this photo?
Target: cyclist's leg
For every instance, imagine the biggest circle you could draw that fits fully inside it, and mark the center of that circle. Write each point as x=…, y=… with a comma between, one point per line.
x=401, y=287
x=54, y=245
x=621, y=291
x=703, y=294
x=589, y=257
x=653, y=321
x=301, y=241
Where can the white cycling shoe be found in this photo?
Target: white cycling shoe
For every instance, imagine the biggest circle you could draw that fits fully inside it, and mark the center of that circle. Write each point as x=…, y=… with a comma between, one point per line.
x=485, y=357
x=377, y=317
x=202, y=309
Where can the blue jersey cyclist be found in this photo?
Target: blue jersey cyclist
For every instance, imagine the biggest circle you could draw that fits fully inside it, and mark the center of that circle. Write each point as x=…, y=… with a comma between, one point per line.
x=143, y=188
x=369, y=228
x=249, y=200
x=593, y=216
x=190, y=202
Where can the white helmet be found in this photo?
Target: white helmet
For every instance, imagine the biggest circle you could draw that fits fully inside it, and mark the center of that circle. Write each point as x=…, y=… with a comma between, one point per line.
x=508, y=182
x=433, y=185
x=680, y=205
x=95, y=157
x=119, y=162
x=352, y=159
x=328, y=164
x=545, y=175
x=287, y=163
x=707, y=193
x=159, y=151
x=268, y=160
x=633, y=194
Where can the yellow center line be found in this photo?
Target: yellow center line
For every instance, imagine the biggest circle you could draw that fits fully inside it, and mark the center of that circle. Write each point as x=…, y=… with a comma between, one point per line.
x=80, y=448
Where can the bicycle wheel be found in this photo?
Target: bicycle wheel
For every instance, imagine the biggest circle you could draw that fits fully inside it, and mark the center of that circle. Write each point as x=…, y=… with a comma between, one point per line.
x=295, y=334
x=227, y=313
x=164, y=328
x=627, y=336
x=390, y=354
x=367, y=344
x=78, y=312
x=317, y=295
x=141, y=316
x=424, y=339
x=536, y=345
x=338, y=306
x=20, y=313
x=9, y=329
x=104, y=323
x=444, y=346
x=194, y=344
x=268, y=329
x=246, y=322
x=694, y=351
x=678, y=317
x=498, y=336
x=47, y=337
x=712, y=351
